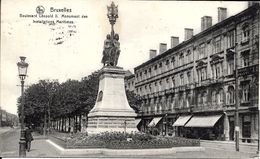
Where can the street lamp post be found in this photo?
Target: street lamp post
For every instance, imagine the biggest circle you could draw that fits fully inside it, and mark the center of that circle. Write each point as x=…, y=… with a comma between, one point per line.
x=22, y=70
x=236, y=98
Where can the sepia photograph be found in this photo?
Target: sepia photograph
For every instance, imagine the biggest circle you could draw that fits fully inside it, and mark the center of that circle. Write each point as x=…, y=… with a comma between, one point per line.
x=129, y=79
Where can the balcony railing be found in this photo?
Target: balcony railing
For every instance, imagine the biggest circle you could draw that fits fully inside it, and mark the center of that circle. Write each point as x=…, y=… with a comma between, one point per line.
x=217, y=80
x=248, y=70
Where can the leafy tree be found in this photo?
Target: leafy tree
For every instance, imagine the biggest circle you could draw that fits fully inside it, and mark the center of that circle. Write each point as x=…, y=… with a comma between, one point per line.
x=134, y=100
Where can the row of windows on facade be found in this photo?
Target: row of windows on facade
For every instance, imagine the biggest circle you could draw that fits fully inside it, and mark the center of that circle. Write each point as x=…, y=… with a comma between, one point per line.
x=217, y=68
x=216, y=98
x=186, y=78
x=203, y=48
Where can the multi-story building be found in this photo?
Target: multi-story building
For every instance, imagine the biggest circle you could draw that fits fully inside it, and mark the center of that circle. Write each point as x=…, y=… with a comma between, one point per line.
x=189, y=89
x=130, y=81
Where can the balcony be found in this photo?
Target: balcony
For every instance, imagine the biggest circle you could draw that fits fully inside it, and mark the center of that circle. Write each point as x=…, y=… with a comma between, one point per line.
x=218, y=80
x=203, y=83
x=208, y=107
x=182, y=88
x=182, y=109
x=248, y=70
x=168, y=91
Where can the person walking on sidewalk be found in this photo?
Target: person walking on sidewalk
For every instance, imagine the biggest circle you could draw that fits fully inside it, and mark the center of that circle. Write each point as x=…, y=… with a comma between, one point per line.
x=28, y=138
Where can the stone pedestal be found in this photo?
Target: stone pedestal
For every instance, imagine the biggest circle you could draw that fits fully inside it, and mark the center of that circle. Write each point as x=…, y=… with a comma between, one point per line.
x=112, y=111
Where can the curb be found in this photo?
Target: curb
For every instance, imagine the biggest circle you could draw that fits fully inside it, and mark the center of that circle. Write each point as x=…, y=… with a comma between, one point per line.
x=124, y=152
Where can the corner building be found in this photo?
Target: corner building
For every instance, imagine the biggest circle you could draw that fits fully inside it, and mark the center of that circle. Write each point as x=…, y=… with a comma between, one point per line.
x=189, y=89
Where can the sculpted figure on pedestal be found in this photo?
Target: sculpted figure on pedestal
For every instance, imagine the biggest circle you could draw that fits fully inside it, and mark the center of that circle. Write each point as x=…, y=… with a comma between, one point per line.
x=111, y=50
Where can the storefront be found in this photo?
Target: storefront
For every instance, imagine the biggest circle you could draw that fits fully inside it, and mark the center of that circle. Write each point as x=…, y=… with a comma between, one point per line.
x=179, y=125
x=210, y=127
x=156, y=126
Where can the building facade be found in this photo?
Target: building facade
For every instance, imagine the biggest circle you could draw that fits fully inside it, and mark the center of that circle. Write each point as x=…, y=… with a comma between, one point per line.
x=130, y=81
x=189, y=89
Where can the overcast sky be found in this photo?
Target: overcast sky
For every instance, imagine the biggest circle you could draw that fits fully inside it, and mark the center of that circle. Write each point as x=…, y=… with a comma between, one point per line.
x=141, y=25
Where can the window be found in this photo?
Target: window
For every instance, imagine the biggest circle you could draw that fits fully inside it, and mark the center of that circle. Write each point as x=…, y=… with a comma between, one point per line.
x=230, y=95
x=150, y=88
x=160, y=85
x=217, y=44
x=202, y=74
x=201, y=50
x=189, y=77
x=181, y=101
x=167, y=83
x=140, y=75
x=188, y=101
x=213, y=96
x=245, y=92
x=160, y=65
x=173, y=61
x=155, y=100
x=218, y=70
x=173, y=82
x=200, y=98
x=204, y=97
x=188, y=56
x=231, y=39
x=155, y=67
x=166, y=62
x=230, y=66
x=220, y=96
x=182, y=79
x=245, y=33
x=245, y=60
x=181, y=59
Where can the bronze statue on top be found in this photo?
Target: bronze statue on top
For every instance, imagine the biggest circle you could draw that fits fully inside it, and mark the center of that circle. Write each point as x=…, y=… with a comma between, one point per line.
x=111, y=49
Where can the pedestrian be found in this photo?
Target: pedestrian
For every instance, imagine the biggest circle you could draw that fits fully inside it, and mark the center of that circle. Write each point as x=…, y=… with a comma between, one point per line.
x=28, y=138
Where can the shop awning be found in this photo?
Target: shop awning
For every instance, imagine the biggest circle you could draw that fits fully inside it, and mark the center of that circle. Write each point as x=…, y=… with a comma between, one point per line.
x=137, y=121
x=155, y=121
x=182, y=120
x=203, y=121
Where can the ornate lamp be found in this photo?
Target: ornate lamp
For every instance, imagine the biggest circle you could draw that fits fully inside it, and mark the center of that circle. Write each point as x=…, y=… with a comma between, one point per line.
x=22, y=70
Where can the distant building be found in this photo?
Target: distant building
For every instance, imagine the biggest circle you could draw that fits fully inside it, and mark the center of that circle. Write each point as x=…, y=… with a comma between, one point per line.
x=8, y=119
x=189, y=89
x=130, y=81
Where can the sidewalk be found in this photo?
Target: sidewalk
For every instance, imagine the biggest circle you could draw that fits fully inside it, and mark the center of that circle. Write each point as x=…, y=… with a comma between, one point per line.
x=230, y=146
x=41, y=148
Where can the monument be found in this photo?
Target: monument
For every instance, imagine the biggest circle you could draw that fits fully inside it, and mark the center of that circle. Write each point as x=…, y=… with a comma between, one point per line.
x=112, y=111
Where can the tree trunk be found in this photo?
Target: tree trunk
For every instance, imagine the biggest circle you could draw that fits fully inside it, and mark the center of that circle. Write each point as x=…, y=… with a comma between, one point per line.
x=80, y=122
x=62, y=124
x=69, y=126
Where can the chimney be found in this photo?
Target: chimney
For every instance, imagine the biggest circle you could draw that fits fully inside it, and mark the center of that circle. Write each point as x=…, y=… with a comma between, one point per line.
x=188, y=33
x=152, y=53
x=222, y=14
x=162, y=48
x=174, y=41
x=206, y=22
